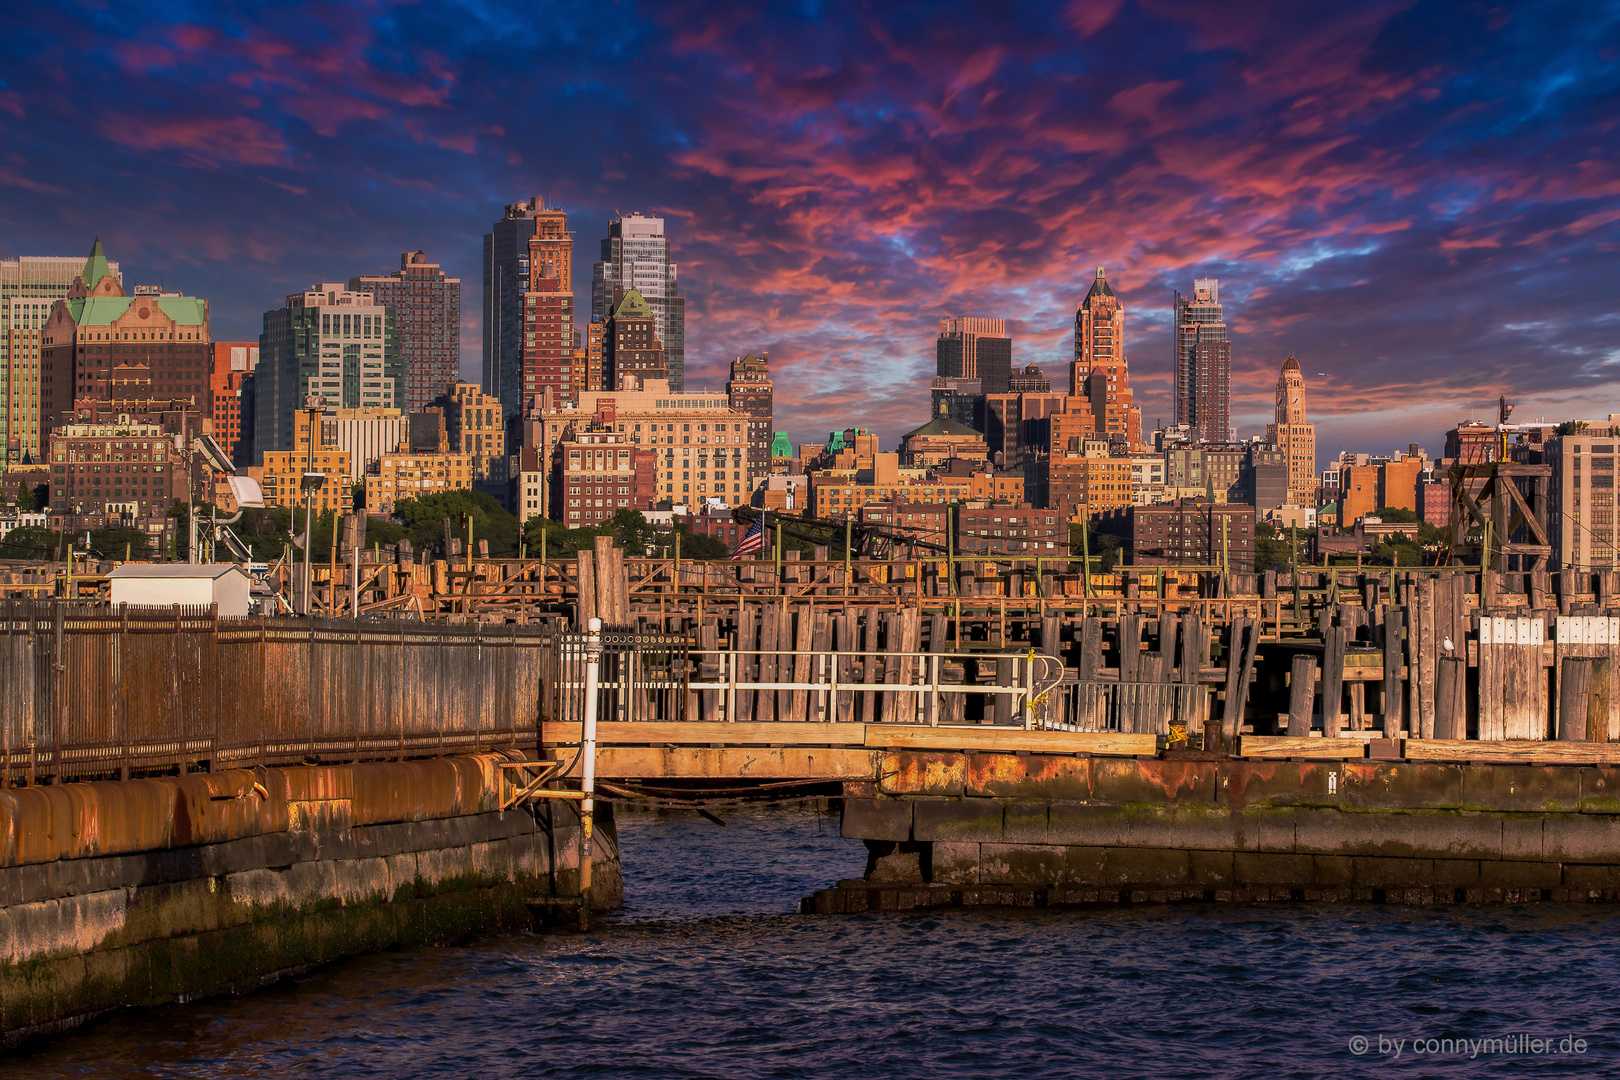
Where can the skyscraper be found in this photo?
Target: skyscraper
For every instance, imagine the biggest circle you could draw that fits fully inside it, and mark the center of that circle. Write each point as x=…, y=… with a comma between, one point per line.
x=632, y=353
x=1202, y=362
x=750, y=391
x=327, y=341
x=506, y=281
x=547, y=351
x=427, y=310
x=1099, y=372
x=973, y=348
x=29, y=285
x=636, y=255
x=1294, y=435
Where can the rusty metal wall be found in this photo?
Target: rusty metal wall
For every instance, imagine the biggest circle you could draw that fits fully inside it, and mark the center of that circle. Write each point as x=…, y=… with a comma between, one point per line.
x=88, y=691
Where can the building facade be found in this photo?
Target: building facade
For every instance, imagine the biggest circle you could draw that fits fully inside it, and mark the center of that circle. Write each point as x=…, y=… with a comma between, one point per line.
x=1189, y=532
x=474, y=427
x=1293, y=434
x=506, y=285
x=636, y=255
x=1202, y=362
x=749, y=390
x=407, y=475
x=1584, y=524
x=427, y=311
x=701, y=443
x=30, y=285
x=547, y=354
x=232, y=367
x=632, y=352
x=101, y=345
x=125, y=472
x=1099, y=373
x=364, y=434
x=328, y=342
x=599, y=473
x=974, y=348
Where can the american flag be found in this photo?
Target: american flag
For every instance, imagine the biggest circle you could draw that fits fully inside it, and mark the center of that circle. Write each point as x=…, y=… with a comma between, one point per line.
x=753, y=541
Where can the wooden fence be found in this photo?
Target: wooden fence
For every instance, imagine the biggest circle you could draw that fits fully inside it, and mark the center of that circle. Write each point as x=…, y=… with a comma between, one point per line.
x=88, y=691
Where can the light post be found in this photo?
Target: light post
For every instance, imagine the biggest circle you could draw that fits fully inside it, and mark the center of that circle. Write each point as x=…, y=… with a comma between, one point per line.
x=587, y=805
x=309, y=484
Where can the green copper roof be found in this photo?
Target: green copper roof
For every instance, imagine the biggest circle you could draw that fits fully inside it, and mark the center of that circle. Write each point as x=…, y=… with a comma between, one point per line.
x=102, y=310
x=98, y=310
x=633, y=306
x=781, y=446
x=185, y=310
x=95, y=267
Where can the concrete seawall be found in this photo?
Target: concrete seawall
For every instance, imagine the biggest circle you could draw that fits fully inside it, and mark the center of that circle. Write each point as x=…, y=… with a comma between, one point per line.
x=946, y=829
x=142, y=892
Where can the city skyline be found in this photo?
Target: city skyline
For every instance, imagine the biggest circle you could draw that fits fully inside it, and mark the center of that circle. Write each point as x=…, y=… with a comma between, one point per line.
x=1324, y=166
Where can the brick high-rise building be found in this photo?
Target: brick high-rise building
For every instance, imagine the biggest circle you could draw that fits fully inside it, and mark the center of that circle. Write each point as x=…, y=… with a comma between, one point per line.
x=232, y=367
x=427, y=310
x=327, y=341
x=636, y=255
x=1190, y=532
x=547, y=352
x=632, y=353
x=972, y=348
x=1294, y=435
x=1202, y=362
x=101, y=345
x=29, y=287
x=749, y=390
x=506, y=281
x=1099, y=372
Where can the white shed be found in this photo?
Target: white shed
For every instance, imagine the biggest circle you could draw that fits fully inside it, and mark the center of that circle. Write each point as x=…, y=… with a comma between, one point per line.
x=167, y=584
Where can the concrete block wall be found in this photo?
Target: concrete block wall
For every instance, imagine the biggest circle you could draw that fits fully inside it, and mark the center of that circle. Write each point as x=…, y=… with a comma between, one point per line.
x=1003, y=828
x=103, y=904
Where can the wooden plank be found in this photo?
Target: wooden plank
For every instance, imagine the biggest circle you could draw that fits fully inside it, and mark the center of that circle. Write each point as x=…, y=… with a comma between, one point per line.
x=696, y=733
x=747, y=664
x=1277, y=746
x=1301, y=694
x=1597, y=710
x=1091, y=658
x=1232, y=719
x=1519, y=751
x=803, y=648
x=586, y=589
x=1332, y=681
x=721, y=763
x=1168, y=625
x=1130, y=647
x=1574, y=694
x=1450, y=705
x=765, y=704
x=1393, y=619
x=869, y=669
x=1008, y=740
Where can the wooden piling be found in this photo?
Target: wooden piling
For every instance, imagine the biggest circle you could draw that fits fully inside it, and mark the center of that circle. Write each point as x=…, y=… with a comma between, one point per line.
x=1301, y=695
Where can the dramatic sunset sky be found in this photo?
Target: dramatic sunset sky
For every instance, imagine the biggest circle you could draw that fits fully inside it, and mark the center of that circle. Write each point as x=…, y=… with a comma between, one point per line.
x=1421, y=200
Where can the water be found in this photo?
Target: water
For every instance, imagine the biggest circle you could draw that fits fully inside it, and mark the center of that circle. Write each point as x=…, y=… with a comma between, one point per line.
x=706, y=973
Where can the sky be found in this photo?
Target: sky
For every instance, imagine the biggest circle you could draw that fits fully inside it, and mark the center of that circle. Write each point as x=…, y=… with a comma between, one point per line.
x=1421, y=201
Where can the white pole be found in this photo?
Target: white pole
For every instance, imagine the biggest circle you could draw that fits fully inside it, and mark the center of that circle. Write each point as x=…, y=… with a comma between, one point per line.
x=587, y=806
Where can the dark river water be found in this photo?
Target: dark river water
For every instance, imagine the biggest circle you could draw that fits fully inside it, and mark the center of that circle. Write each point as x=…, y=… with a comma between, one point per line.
x=707, y=972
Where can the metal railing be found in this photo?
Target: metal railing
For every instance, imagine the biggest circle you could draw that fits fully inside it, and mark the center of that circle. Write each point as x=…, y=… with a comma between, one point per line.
x=1155, y=708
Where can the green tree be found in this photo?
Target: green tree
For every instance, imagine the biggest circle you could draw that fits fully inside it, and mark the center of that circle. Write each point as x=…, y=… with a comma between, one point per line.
x=26, y=502
x=1395, y=515
x=111, y=543
x=29, y=542
x=423, y=520
x=701, y=545
x=631, y=530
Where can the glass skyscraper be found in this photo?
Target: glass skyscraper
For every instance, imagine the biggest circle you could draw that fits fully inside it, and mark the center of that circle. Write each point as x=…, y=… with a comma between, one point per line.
x=636, y=255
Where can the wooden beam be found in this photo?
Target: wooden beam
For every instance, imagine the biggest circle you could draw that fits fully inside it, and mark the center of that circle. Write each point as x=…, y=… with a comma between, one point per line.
x=700, y=733
x=1282, y=746
x=1520, y=751
x=727, y=763
x=1007, y=740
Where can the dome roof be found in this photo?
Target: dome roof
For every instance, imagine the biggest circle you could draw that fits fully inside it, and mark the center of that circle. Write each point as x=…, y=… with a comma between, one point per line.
x=1290, y=364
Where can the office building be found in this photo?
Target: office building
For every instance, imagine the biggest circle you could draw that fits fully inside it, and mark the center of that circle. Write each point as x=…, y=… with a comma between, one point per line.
x=1189, y=532
x=29, y=287
x=1582, y=517
x=102, y=345
x=1202, y=362
x=427, y=312
x=1099, y=373
x=632, y=354
x=973, y=348
x=329, y=342
x=636, y=255
x=749, y=390
x=232, y=367
x=1295, y=436
x=598, y=472
x=506, y=286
